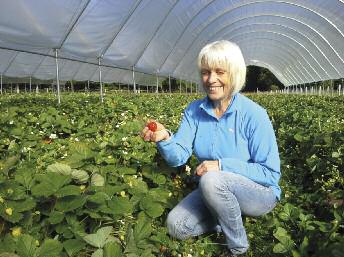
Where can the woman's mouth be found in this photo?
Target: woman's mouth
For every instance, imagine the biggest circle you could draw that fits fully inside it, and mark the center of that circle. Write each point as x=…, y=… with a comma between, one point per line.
x=214, y=88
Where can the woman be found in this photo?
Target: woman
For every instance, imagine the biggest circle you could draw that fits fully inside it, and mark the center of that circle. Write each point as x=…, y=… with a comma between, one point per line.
x=234, y=141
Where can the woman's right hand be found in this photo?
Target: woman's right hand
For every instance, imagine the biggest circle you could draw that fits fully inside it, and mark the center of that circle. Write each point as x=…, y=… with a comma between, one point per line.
x=160, y=134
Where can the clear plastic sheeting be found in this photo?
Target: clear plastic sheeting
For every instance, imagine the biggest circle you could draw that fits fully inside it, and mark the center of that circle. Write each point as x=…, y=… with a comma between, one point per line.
x=299, y=41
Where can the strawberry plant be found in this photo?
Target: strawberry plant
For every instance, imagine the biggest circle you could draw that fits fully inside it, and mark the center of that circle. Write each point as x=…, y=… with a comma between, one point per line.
x=77, y=179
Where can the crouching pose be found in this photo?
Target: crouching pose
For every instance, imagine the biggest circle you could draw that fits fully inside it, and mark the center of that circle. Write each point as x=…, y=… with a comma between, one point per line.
x=234, y=141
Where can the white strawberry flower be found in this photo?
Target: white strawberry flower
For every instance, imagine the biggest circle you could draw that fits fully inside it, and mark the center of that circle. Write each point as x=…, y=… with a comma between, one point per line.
x=53, y=136
x=188, y=170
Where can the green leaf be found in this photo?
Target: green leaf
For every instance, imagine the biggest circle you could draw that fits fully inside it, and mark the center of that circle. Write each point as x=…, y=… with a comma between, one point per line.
x=55, y=217
x=22, y=205
x=337, y=216
x=143, y=228
x=98, y=253
x=130, y=246
x=80, y=176
x=152, y=208
x=282, y=235
x=98, y=198
x=138, y=187
x=99, y=238
x=8, y=255
x=289, y=212
x=68, y=190
x=17, y=132
x=120, y=205
x=97, y=180
x=74, y=161
x=295, y=253
x=304, y=244
x=159, y=195
x=25, y=178
x=279, y=248
x=112, y=249
x=82, y=150
x=298, y=137
x=69, y=203
x=60, y=168
x=79, y=152
x=125, y=170
x=26, y=246
x=335, y=155
x=49, y=184
x=147, y=253
x=73, y=246
x=324, y=226
x=159, y=179
x=14, y=218
x=50, y=248
x=8, y=244
x=9, y=164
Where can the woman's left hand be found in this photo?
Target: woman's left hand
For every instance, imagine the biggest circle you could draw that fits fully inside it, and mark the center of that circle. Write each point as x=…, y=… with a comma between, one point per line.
x=206, y=166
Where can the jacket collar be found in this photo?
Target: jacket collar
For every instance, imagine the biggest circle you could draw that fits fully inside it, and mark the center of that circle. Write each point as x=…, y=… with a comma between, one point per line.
x=207, y=105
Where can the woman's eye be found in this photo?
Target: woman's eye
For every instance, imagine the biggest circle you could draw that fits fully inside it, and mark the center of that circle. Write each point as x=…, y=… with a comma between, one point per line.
x=220, y=72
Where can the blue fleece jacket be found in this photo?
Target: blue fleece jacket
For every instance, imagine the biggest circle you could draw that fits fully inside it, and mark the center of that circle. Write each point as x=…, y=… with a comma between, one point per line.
x=243, y=140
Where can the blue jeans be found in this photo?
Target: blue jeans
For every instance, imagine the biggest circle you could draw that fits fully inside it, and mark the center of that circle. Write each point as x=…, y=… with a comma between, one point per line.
x=218, y=202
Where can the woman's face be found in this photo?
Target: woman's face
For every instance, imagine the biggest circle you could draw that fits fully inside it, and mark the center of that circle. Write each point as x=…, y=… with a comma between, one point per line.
x=216, y=83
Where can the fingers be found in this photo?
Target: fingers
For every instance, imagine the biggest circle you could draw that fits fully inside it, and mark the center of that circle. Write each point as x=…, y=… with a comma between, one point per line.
x=206, y=166
x=156, y=136
x=159, y=125
x=148, y=136
x=159, y=135
x=201, y=169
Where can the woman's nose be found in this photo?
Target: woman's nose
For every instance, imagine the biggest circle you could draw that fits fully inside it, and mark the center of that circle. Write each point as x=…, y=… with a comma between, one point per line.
x=212, y=77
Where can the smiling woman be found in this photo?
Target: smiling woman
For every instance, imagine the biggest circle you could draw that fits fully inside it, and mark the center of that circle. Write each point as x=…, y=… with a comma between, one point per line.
x=234, y=141
x=225, y=58
x=223, y=73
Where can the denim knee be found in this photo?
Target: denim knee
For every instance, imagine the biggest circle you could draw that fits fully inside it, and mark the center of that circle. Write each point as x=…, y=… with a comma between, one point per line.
x=176, y=225
x=210, y=183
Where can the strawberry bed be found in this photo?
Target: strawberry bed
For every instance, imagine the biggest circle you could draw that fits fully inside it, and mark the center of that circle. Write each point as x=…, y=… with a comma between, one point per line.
x=77, y=179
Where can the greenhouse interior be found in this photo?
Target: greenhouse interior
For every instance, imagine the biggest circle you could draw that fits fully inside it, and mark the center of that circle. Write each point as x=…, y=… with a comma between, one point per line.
x=80, y=80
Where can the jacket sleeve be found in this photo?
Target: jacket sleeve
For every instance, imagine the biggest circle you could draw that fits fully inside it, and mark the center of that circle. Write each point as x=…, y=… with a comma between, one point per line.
x=264, y=165
x=178, y=148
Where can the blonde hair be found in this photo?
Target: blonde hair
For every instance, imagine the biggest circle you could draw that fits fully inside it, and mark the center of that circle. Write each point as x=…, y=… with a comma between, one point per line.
x=225, y=55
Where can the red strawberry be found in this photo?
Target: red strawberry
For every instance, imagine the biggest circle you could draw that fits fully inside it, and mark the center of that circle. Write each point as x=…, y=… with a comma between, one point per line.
x=152, y=126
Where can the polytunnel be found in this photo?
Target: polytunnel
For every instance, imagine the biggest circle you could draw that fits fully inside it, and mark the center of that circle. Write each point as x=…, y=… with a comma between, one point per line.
x=140, y=40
